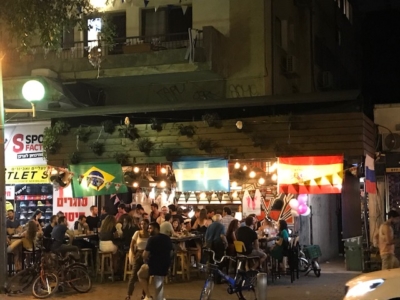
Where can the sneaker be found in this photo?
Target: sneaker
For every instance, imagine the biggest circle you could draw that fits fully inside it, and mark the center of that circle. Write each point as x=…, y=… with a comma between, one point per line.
x=22, y=204
x=30, y=211
x=31, y=204
x=47, y=217
x=48, y=203
x=49, y=210
x=22, y=217
x=23, y=211
x=40, y=203
x=49, y=197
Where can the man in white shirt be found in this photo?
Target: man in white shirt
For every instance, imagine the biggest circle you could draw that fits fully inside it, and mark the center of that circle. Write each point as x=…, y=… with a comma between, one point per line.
x=226, y=217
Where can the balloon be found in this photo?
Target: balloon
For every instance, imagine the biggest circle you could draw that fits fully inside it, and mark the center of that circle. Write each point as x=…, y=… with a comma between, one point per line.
x=302, y=198
x=294, y=213
x=302, y=208
x=294, y=204
x=308, y=211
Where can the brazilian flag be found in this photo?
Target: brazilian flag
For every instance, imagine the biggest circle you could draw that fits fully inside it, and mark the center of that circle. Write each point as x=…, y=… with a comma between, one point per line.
x=96, y=179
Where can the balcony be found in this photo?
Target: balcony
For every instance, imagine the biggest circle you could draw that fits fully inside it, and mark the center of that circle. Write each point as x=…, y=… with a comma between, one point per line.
x=128, y=56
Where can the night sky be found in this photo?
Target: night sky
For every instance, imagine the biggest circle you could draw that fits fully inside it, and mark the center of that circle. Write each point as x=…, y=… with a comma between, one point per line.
x=380, y=38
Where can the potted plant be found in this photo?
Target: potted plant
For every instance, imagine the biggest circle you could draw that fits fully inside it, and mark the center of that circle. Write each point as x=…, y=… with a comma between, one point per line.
x=75, y=158
x=186, y=130
x=145, y=145
x=207, y=145
x=83, y=133
x=61, y=127
x=51, y=141
x=156, y=124
x=97, y=148
x=108, y=126
x=128, y=131
x=122, y=158
x=212, y=119
x=172, y=153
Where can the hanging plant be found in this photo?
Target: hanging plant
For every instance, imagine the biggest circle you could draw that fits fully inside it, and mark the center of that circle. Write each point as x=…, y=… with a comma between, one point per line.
x=145, y=145
x=156, y=124
x=83, y=133
x=128, y=131
x=108, y=126
x=230, y=152
x=172, y=153
x=75, y=158
x=61, y=128
x=186, y=130
x=259, y=139
x=51, y=142
x=97, y=148
x=122, y=158
x=207, y=145
x=213, y=120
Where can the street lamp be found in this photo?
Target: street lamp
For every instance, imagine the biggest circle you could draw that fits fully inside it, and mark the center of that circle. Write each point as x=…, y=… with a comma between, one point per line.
x=32, y=91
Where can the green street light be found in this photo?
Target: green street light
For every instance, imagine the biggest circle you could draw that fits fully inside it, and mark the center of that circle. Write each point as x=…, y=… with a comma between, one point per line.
x=32, y=91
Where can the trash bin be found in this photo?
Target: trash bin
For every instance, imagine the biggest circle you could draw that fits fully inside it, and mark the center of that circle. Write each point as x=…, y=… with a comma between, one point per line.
x=353, y=254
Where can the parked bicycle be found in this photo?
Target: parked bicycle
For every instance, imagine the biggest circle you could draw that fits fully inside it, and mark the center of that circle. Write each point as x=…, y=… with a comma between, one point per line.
x=243, y=284
x=308, y=260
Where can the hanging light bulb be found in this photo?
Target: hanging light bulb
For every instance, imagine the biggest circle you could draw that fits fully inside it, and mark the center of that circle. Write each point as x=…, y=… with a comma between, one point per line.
x=261, y=180
x=235, y=194
x=135, y=184
x=234, y=184
x=163, y=184
x=244, y=168
x=274, y=177
x=202, y=195
x=273, y=167
x=252, y=174
x=136, y=169
x=237, y=165
x=163, y=170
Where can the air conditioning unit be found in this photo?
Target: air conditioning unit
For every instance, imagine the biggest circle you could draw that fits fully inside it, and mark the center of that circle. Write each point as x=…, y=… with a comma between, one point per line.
x=327, y=80
x=291, y=64
x=391, y=142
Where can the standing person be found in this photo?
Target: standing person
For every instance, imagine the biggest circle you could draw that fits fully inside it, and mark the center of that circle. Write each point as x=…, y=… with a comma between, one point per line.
x=202, y=222
x=128, y=230
x=121, y=211
x=138, y=245
x=195, y=216
x=231, y=237
x=248, y=236
x=158, y=255
x=166, y=226
x=226, y=217
x=210, y=214
x=36, y=218
x=385, y=238
x=174, y=212
x=154, y=214
x=176, y=225
x=104, y=213
x=161, y=218
x=93, y=220
x=281, y=245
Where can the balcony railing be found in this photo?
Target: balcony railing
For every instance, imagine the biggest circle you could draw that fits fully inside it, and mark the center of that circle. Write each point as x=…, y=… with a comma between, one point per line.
x=125, y=45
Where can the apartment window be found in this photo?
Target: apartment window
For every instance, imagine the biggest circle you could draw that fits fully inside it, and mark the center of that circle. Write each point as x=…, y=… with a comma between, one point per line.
x=278, y=32
x=68, y=38
x=166, y=20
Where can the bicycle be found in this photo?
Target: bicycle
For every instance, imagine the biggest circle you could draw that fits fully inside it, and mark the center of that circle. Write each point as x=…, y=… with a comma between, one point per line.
x=308, y=260
x=243, y=284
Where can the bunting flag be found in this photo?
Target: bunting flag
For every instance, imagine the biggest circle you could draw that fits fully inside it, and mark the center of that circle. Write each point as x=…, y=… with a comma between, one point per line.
x=202, y=175
x=310, y=174
x=370, y=179
x=146, y=2
x=97, y=179
x=184, y=9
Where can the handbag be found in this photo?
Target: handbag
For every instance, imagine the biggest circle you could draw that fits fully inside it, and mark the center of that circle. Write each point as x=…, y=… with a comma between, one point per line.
x=279, y=242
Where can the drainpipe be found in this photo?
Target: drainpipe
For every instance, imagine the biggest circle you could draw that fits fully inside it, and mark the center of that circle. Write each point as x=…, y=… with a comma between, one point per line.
x=272, y=49
x=314, y=85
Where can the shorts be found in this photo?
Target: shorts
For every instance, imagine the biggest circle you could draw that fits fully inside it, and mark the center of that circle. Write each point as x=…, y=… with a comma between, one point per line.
x=389, y=261
x=258, y=253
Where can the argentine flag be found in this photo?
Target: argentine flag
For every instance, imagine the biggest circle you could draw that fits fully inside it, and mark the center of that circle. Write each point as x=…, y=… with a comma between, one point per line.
x=202, y=175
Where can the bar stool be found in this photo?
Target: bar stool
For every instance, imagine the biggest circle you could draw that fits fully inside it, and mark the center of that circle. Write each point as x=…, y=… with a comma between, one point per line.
x=10, y=264
x=87, y=256
x=105, y=265
x=182, y=258
x=128, y=268
x=193, y=252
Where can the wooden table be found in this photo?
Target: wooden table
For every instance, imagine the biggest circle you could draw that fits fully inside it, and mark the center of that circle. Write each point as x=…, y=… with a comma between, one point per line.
x=85, y=236
x=185, y=238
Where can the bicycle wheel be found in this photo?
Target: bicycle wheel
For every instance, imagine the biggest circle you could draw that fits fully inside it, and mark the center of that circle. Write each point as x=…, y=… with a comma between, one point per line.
x=303, y=264
x=316, y=268
x=247, y=286
x=45, y=285
x=207, y=289
x=78, y=278
x=19, y=282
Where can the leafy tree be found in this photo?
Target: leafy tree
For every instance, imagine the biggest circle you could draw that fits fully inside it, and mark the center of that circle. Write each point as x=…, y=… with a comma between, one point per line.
x=28, y=21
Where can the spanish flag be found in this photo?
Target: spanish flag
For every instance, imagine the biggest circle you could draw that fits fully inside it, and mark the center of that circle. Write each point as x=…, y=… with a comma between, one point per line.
x=310, y=174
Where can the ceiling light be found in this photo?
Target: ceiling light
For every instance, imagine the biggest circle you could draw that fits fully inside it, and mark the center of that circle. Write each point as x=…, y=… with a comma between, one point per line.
x=261, y=180
x=202, y=195
x=234, y=184
x=163, y=184
x=135, y=184
x=136, y=169
x=163, y=170
x=237, y=165
x=252, y=174
x=244, y=168
x=274, y=177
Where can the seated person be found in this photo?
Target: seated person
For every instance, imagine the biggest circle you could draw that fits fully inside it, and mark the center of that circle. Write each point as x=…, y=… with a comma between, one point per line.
x=107, y=235
x=12, y=225
x=81, y=225
x=58, y=235
x=249, y=237
x=49, y=228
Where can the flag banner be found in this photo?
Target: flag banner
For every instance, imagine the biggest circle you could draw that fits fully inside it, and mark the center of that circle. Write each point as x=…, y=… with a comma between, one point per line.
x=202, y=175
x=251, y=205
x=370, y=179
x=97, y=179
x=310, y=174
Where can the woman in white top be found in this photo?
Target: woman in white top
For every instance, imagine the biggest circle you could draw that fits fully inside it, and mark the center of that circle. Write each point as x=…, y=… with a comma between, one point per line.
x=138, y=245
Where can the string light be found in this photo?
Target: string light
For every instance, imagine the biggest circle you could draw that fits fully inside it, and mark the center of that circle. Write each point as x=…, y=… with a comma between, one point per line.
x=252, y=174
x=136, y=169
x=234, y=184
x=163, y=170
x=273, y=167
x=274, y=177
x=163, y=184
x=244, y=168
x=237, y=165
x=135, y=184
x=203, y=195
x=261, y=180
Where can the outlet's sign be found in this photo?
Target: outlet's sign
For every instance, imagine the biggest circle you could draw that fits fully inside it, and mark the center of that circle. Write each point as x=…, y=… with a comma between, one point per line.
x=24, y=144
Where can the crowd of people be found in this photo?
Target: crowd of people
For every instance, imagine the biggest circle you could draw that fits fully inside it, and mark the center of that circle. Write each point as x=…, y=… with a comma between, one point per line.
x=146, y=236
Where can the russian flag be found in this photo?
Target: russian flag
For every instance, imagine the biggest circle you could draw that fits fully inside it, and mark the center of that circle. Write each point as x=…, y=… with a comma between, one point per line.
x=202, y=175
x=370, y=179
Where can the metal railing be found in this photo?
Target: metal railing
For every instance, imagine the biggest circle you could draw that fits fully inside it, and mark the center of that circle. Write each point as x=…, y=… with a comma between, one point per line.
x=137, y=44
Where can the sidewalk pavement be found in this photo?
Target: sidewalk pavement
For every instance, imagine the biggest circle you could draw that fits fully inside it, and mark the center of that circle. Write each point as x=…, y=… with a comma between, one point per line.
x=330, y=286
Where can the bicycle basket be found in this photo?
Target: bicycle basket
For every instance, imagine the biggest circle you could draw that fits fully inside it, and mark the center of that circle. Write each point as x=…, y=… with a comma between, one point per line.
x=312, y=251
